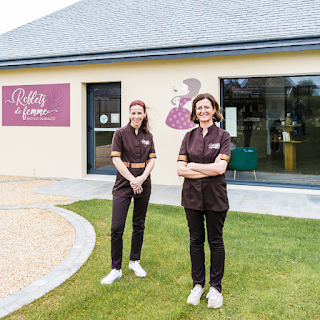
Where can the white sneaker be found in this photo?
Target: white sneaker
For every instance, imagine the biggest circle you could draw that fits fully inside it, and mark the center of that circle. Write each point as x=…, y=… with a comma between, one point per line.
x=135, y=266
x=112, y=276
x=214, y=298
x=195, y=295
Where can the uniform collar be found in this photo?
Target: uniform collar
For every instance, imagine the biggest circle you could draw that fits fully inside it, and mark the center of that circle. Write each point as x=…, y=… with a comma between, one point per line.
x=132, y=129
x=210, y=129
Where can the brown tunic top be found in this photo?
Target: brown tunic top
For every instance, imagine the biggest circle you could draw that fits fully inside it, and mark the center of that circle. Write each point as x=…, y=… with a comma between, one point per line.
x=208, y=193
x=134, y=150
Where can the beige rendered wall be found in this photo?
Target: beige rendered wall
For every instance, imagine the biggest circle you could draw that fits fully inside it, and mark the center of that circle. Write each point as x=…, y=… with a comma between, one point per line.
x=61, y=152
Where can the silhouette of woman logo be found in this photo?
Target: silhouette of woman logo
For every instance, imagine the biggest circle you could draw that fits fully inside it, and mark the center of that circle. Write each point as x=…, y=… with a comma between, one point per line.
x=179, y=117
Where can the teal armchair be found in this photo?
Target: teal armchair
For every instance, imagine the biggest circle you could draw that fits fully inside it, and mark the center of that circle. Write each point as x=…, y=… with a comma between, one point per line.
x=245, y=159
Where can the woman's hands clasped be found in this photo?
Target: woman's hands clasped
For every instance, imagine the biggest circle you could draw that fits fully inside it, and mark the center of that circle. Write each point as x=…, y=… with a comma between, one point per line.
x=136, y=184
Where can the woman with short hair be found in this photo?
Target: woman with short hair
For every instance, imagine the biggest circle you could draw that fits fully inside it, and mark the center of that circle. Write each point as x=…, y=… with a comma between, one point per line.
x=202, y=161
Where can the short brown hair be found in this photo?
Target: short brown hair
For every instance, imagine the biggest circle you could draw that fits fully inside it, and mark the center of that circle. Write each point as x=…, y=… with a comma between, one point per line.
x=218, y=115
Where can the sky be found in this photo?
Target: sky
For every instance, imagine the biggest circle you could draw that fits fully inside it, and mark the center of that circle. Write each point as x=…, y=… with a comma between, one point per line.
x=15, y=13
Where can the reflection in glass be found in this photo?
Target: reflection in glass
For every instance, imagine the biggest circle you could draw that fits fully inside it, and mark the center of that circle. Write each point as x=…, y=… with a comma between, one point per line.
x=279, y=116
x=106, y=121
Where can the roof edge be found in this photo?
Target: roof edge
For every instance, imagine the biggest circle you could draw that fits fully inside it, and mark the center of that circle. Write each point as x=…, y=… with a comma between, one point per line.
x=168, y=53
x=176, y=46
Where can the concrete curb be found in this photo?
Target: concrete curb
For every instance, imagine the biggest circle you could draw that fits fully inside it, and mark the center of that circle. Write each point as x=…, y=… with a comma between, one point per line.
x=78, y=255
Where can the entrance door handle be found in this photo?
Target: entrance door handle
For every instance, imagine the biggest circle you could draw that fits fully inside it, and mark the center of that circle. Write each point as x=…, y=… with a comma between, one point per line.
x=89, y=128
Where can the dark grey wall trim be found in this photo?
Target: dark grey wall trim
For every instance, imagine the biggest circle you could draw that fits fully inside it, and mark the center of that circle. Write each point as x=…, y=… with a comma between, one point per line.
x=273, y=184
x=149, y=55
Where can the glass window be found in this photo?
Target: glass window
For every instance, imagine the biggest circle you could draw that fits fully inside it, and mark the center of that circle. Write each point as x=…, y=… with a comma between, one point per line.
x=106, y=122
x=280, y=117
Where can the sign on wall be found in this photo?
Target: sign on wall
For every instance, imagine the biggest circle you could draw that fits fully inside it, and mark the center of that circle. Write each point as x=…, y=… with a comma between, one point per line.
x=231, y=120
x=36, y=105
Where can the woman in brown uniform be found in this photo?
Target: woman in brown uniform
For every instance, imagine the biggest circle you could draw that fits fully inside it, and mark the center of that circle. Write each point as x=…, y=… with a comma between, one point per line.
x=134, y=156
x=203, y=159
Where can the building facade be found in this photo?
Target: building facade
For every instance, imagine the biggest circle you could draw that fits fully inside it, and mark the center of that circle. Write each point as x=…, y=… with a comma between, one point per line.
x=59, y=111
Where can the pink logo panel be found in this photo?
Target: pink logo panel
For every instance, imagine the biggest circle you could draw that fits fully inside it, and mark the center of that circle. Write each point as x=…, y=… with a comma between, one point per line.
x=45, y=105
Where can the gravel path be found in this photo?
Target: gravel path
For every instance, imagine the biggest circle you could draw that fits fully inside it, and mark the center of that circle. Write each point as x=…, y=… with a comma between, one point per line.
x=32, y=241
x=18, y=193
x=7, y=178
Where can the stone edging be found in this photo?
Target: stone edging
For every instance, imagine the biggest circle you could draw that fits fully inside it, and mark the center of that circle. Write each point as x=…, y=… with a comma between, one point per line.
x=84, y=244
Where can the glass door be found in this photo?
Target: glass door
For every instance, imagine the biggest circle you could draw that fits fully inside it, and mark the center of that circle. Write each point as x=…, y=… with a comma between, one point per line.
x=104, y=107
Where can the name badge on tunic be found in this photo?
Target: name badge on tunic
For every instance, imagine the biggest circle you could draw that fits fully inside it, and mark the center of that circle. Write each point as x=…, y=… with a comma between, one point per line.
x=146, y=142
x=214, y=146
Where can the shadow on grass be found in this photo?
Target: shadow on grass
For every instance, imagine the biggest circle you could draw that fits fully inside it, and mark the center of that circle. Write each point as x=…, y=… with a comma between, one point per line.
x=272, y=271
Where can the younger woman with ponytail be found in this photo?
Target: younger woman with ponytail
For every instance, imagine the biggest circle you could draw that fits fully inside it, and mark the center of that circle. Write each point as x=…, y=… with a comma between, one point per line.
x=134, y=155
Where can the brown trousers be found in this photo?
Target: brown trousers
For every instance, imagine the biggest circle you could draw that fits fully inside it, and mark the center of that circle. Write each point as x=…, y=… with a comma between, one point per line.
x=214, y=222
x=119, y=215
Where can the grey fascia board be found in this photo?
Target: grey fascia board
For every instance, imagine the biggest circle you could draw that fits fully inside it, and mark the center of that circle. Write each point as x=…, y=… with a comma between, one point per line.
x=172, y=46
x=165, y=54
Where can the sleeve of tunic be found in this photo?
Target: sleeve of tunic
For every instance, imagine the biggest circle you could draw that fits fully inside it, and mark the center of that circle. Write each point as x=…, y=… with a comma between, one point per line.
x=152, y=152
x=225, y=146
x=183, y=153
x=116, y=148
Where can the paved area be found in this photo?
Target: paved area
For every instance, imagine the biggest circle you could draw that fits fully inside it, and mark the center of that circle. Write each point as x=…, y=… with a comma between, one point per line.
x=299, y=203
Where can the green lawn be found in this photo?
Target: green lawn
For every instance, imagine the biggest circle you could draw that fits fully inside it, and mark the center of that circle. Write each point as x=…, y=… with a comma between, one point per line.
x=272, y=271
